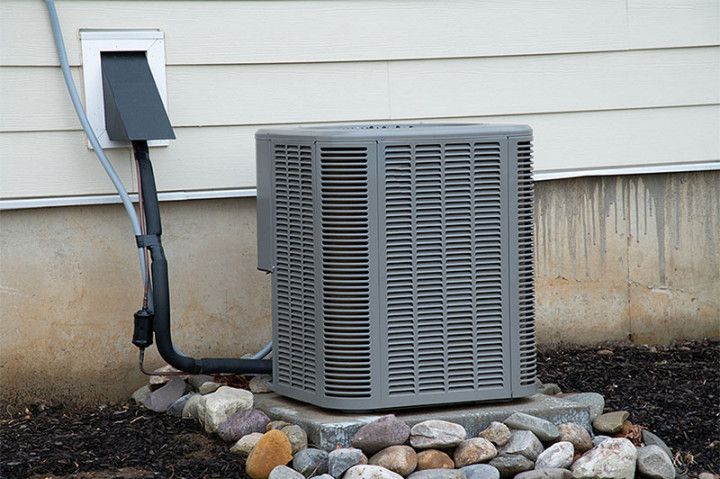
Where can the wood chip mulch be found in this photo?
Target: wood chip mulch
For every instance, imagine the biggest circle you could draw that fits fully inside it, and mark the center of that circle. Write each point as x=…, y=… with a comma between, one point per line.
x=673, y=391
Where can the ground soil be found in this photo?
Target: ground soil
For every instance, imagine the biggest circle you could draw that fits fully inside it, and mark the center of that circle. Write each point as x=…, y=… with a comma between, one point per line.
x=674, y=391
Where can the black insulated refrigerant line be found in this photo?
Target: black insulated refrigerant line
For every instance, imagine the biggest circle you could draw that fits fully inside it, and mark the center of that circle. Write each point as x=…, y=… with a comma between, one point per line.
x=159, y=319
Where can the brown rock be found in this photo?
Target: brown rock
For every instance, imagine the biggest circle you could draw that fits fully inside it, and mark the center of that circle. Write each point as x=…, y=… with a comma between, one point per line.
x=576, y=435
x=272, y=450
x=399, y=459
x=434, y=459
x=473, y=451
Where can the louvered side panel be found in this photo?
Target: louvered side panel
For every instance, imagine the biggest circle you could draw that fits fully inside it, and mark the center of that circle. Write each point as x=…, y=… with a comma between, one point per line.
x=443, y=267
x=526, y=290
x=488, y=286
x=294, y=275
x=346, y=298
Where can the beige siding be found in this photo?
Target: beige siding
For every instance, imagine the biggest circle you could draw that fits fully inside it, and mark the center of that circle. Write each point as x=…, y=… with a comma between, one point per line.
x=603, y=83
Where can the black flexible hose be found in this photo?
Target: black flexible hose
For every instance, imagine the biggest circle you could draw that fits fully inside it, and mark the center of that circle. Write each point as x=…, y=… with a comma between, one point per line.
x=161, y=290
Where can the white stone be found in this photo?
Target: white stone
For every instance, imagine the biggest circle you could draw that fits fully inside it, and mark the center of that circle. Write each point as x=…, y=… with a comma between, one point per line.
x=436, y=434
x=370, y=472
x=611, y=459
x=558, y=456
x=245, y=444
x=284, y=472
x=208, y=387
x=213, y=409
x=190, y=408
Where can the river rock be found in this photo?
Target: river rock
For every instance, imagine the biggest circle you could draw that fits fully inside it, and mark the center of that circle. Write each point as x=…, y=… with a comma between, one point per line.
x=434, y=459
x=576, y=435
x=243, y=423
x=435, y=433
x=597, y=440
x=614, y=458
x=651, y=439
x=381, y=433
x=511, y=464
x=400, y=459
x=544, y=430
x=208, y=387
x=593, y=401
x=197, y=380
x=610, y=422
x=549, y=389
x=322, y=476
x=310, y=461
x=161, y=399
x=438, y=474
x=140, y=395
x=370, y=472
x=158, y=379
x=191, y=405
x=245, y=444
x=545, y=474
x=473, y=451
x=525, y=443
x=260, y=384
x=284, y=472
x=215, y=408
x=277, y=425
x=558, y=456
x=272, y=450
x=497, y=433
x=297, y=437
x=653, y=463
x=480, y=471
x=342, y=459
x=177, y=407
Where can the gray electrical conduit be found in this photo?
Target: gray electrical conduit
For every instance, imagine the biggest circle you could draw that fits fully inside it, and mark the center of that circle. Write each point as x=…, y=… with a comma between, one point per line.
x=99, y=152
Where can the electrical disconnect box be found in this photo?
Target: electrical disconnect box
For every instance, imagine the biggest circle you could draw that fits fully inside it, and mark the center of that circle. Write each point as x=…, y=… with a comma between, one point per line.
x=401, y=260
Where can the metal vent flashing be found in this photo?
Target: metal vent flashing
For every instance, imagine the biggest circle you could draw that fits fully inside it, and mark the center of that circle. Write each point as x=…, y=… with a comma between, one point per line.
x=402, y=261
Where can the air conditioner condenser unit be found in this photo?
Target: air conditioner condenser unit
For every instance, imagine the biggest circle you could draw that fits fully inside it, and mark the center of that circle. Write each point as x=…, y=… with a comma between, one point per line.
x=401, y=260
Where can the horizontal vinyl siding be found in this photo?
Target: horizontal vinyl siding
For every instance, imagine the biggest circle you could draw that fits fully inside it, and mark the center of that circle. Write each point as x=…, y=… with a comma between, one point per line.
x=603, y=83
x=223, y=157
x=210, y=32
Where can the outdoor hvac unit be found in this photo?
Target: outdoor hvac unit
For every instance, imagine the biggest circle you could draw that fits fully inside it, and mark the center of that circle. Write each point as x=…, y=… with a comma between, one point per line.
x=401, y=260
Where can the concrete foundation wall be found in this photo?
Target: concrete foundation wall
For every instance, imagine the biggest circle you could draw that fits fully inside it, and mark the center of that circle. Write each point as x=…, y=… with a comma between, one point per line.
x=617, y=258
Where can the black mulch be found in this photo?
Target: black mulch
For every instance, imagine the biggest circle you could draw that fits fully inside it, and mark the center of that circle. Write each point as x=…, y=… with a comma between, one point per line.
x=109, y=442
x=673, y=391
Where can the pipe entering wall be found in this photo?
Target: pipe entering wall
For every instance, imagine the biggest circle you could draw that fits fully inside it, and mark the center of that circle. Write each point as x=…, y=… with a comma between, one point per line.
x=154, y=318
x=161, y=292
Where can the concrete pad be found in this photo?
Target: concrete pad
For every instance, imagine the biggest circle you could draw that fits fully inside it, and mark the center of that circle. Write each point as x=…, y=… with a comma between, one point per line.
x=329, y=429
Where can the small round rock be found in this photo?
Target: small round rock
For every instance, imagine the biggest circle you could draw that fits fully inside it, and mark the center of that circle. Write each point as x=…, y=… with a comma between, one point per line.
x=545, y=474
x=284, y=472
x=576, y=435
x=510, y=465
x=497, y=433
x=436, y=433
x=297, y=437
x=367, y=471
x=438, y=474
x=342, y=459
x=558, y=456
x=653, y=463
x=434, y=459
x=310, y=461
x=473, y=451
x=245, y=444
x=480, y=471
x=399, y=459
x=381, y=433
